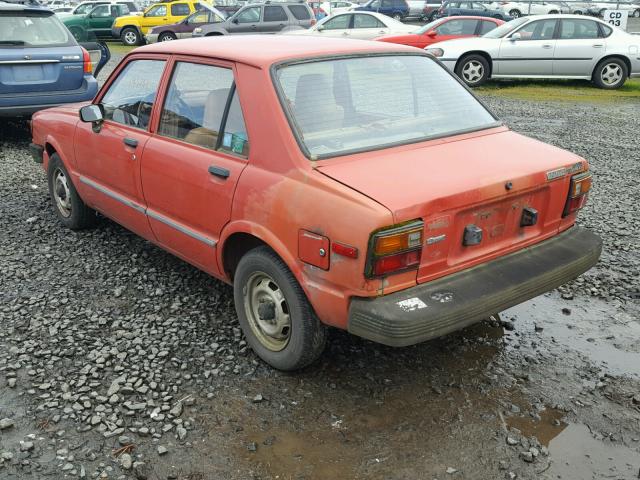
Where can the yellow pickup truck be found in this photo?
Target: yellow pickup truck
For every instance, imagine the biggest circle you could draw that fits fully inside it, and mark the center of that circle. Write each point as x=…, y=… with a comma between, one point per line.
x=131, y=29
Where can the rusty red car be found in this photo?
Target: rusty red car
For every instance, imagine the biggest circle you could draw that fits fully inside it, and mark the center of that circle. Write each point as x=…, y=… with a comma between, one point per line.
x=333, y=183
x=447, y=28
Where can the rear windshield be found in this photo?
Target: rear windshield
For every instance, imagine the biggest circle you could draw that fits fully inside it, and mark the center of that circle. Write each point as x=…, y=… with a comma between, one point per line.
x=347, y=105
x=32, y=29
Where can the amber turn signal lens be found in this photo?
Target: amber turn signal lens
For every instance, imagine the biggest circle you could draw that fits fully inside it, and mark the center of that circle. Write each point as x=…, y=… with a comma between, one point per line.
x=397, y=242
x=580, y=184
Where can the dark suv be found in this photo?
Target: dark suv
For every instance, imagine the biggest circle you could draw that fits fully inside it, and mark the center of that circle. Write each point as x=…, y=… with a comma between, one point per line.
x=397, y=9
x=262, y=18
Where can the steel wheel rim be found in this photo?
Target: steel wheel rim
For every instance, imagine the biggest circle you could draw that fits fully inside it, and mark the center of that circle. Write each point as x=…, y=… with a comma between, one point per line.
x=61, y=193
x=636, y=14
x=472, y=71
x=514, y=13
x=267, y=311
x=130, y=37
x=166, y=38
x=611, y=74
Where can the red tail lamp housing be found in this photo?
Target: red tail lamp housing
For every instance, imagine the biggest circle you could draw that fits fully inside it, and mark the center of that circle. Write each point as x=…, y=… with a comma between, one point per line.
x=578, y=192
x=86, y=61
x=395, y=249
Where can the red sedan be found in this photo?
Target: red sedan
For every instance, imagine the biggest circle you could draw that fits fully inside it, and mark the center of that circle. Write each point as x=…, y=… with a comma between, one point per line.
x=444, y=29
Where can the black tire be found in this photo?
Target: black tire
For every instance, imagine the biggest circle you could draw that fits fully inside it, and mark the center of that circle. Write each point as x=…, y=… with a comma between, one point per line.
x=636, y=14
x=397, y=16
x=554, y=12
x=77, y=216
x=130, y=37
x=166, y=37
x=578, y=12
x=617, y=67
x=515, y=13
x=473, y=61
x=306, y=335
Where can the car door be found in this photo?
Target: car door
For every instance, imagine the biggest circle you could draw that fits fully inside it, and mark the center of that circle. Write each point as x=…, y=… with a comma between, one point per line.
x=156, y=15
x=191, y=167
x=337, y=26
x=579, y=46
x=274, y=19
x=246, y=20
x=367, y=27
x=528, y=50
x=108, y=157
x=99, y=21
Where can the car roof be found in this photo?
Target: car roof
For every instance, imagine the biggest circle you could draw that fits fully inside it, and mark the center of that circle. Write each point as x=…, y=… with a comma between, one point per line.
x=264, y=50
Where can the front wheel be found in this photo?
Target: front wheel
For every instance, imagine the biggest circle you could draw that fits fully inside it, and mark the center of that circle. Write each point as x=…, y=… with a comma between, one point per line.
x=611, y=73
x=578, y=12
x=473, y=70
x=70, y=209
x=130, y=37
x=166, y=37
x=553, y=12
x=274, y=313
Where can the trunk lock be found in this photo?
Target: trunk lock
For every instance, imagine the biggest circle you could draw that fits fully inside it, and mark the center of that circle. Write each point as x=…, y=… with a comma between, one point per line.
x=529, y=217
x=472, y=235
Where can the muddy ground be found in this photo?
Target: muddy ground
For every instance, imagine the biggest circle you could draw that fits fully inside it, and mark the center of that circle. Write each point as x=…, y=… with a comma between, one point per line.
x=119, y=361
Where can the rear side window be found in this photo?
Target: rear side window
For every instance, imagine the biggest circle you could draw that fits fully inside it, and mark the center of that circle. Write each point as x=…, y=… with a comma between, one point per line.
x=578, y=29
x=341, y=106
x=275, y=14
x=606, y=30
x=131, y=96
x=249, y=15
x=180, y=9
x=367, y=21
x=300, y=12
x=33, y=29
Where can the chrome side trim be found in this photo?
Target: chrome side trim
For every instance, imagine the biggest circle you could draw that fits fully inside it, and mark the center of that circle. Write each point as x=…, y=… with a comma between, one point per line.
x=148, y=212
x=116, y=196
x=5, y=62
x=185, y=230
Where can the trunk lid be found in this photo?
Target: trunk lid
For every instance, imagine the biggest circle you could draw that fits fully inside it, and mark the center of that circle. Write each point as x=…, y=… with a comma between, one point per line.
x=42, y=69
x=484, y=179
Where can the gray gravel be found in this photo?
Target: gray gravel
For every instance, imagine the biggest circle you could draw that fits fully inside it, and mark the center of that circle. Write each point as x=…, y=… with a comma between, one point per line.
x=118, y=360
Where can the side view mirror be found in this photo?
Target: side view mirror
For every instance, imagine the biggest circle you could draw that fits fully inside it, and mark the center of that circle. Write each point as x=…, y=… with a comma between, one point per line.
x=92, y=114
x=235, y=20
x=516, y=36
x=432, y=33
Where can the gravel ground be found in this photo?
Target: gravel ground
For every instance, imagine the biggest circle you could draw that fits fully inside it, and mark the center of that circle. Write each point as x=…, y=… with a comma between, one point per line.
x=119, y=361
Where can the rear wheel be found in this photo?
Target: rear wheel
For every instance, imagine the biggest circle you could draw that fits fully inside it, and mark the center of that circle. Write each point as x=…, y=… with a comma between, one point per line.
x=166, y=37
x=611, y=73
x=636, y=14
x=69, y=207
x=553, y=12
x=130, y=37
x=274, y=313
x=397, y=16
x=515, y=13
x=473, y=70
x=578, y=12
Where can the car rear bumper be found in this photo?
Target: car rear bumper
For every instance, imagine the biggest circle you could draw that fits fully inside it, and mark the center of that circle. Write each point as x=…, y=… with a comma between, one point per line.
x=24, y=105
x=456, y=301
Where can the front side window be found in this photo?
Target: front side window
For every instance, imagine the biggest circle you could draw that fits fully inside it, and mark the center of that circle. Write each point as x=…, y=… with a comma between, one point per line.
x=130, y=97
x=157, y=11
x=250, y=15
x=539, y=30
x=355, y=104
x=486, y=27
x=275, y=14
x=367, y=21
x=32, y=29
x=180, y=9
x=101, y=11
x=84, y=8
x=339, y=22
x=578, y=29
x=194, y=109
x=457, y=27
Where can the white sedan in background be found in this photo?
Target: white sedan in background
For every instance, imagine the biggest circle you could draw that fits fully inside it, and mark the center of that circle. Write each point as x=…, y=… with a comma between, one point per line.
x=546, y=46
x=333, y=8
x=358, y=25
x=519, y=9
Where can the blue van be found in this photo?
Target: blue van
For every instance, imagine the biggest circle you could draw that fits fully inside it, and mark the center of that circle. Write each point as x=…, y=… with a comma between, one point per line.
x=41, y=64
x=397, y=9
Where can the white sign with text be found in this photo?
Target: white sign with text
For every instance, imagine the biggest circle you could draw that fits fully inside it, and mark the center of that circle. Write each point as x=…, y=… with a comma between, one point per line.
x=617, y=18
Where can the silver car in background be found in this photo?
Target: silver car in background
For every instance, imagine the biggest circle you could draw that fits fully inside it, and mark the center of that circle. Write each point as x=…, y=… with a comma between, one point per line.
x=545, y=46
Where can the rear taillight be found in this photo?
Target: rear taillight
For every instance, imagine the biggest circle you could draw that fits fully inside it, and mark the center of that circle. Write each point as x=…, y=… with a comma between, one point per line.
x=86, y=61
x=578, y=192
x=313, y=22
x=395, y=249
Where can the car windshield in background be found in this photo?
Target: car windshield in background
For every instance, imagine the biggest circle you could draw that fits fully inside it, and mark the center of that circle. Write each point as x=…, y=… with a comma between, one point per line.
x=429, y=26
x=32, y=29
x=506, y=28
x=347, y=105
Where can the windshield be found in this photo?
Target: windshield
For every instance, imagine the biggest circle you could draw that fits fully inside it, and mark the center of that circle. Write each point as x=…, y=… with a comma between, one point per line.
x=32, y=29
x=506, y=28
x=347, y=105
x=84, y=8
x=429, y=26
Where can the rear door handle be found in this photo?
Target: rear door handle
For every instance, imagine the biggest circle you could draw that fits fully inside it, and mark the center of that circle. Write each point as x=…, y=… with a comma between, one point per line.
x=219, y=172
x=130, y=142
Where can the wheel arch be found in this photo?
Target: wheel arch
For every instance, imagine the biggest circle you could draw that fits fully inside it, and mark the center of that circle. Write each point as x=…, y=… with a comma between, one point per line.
x=619, y=56
x=482, y=53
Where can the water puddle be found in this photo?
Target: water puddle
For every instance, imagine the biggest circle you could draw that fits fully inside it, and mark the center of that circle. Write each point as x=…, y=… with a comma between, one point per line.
x=577, y=454
x=606, y=334
x=546, y=429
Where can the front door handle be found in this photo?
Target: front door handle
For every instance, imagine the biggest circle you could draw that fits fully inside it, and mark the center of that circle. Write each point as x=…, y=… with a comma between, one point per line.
x=598, y=45
x=219, y=172
x=546, y=45
x=130, y=142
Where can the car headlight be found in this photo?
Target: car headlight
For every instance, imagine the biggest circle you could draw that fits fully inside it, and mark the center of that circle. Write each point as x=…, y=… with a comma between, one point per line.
x=197, y=30
x=436, y=52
